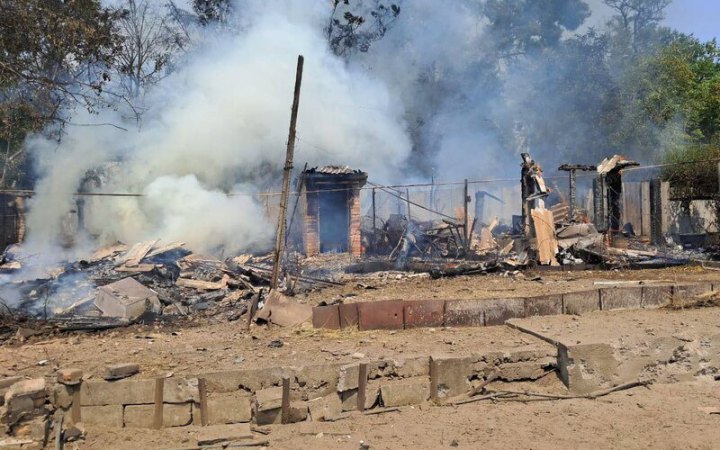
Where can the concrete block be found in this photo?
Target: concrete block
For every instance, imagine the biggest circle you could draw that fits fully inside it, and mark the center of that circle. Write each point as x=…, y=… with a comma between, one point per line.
x=688, y=291
x=577, y=303
x=36, y=429
x=328, y=407
x=126, y=299
x=229, y=408
x=464, y=313
x=349, y=398
x=216, y=434
x=120, y=371
x=499, y=310
x=69, y=377
x=24, y=397
x=449, y=376
x=411, y=391
x=348, y=315
x=268, y=399
x=125, y=392
x=349, y=374
x=412, y=367
x=141, y=416
x=381, y=315
x=424, y=313
x=181, y=390
x=318, y=380
x=298, y=412
x=530, y=370
x=656, y=296
x=326, y=317
x=62, y=396
x=546, y=305
x=250, y=380
x=110, y=416
x=620, y=298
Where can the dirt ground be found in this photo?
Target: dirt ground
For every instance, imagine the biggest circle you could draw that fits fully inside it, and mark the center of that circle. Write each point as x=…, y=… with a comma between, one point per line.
x=403, y=286
x=661, y=416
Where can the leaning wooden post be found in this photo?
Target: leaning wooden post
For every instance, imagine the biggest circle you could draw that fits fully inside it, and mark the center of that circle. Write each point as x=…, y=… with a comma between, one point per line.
x=285, y=406
x=280, y=235
x=434, y=373
x=75, y=414
x=202, y=393
x=158, y=418
x=362, y=386
x=466, y=201
x=374, y=216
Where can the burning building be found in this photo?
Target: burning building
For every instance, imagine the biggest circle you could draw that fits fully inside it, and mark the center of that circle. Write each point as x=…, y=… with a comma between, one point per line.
x=332, y=210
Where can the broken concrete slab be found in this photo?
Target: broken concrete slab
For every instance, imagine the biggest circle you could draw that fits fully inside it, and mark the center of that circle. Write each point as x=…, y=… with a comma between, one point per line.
x=141, y=416
x=410, y=391
x=284, y=311
x=123, y=392
x=126, y=299
x=449, y=376
x=268, y=399
x=216, y=434
x=120, y=371
x=324, y=408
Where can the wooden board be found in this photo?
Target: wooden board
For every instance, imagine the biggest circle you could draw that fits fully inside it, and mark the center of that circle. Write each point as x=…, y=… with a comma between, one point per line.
x=547, y=245
x=136, y=253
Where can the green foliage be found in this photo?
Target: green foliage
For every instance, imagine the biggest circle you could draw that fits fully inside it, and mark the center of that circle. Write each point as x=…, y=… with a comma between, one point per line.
x=53, y=53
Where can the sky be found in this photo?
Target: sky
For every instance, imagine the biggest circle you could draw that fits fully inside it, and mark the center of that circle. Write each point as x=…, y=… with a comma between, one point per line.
x=698, y=17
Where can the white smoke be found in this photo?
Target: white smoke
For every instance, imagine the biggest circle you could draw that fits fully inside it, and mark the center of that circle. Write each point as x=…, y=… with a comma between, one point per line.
x=216, y=126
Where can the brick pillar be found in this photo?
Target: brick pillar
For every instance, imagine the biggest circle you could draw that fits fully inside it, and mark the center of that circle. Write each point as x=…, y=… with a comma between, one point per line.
x=354, y=237
x=312, y=224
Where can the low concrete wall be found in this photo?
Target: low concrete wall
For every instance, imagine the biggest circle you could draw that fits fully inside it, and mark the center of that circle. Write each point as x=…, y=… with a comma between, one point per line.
x=317, y=392
x=405, y=314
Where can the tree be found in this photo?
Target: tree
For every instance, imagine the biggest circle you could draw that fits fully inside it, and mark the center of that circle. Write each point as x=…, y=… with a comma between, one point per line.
x=522, y=26
x=636, y=21
x=212, y=11
x=150, y=40
x=55, y=55
x=349, y=31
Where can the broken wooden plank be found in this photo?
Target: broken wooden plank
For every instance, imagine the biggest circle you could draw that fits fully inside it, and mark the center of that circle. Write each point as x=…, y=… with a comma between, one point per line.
x=108, y=251
x=547, y=246
x=164, y=249
x=136, y=269
x=136, y=253
x=203, y=285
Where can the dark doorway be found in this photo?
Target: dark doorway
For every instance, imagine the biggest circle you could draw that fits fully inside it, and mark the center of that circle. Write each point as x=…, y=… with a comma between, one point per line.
x=334, y=221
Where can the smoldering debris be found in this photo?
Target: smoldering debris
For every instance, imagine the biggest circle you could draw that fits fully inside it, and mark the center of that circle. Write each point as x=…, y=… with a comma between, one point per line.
x=149, y=281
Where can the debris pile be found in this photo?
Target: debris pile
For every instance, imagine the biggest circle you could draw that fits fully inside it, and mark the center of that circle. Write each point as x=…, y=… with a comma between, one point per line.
x=124, y=284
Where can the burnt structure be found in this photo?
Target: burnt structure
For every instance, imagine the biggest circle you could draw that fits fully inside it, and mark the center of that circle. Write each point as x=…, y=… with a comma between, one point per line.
x=608, y=193
x=332, y=210
x=572, y=188
x=533, y=190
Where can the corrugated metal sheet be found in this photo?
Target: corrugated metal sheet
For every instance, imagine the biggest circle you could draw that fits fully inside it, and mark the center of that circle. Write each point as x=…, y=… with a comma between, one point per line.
x=334, y=170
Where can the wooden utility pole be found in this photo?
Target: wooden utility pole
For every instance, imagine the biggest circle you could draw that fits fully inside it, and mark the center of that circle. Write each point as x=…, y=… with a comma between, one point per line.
x=466, y=200
x=280, y=235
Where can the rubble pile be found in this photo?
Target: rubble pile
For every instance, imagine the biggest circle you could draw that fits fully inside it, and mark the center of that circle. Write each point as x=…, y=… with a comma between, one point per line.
x=124, y=284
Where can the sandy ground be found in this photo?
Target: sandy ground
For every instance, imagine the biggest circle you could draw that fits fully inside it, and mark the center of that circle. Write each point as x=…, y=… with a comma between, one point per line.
x=661, y=416
x=388, y=286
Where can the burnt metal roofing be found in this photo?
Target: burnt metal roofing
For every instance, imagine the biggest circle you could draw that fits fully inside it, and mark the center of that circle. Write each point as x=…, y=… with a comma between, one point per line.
x=334, y=170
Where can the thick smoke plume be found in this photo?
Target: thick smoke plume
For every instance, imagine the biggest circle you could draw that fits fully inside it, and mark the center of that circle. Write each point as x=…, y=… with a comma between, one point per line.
x=214, y=135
